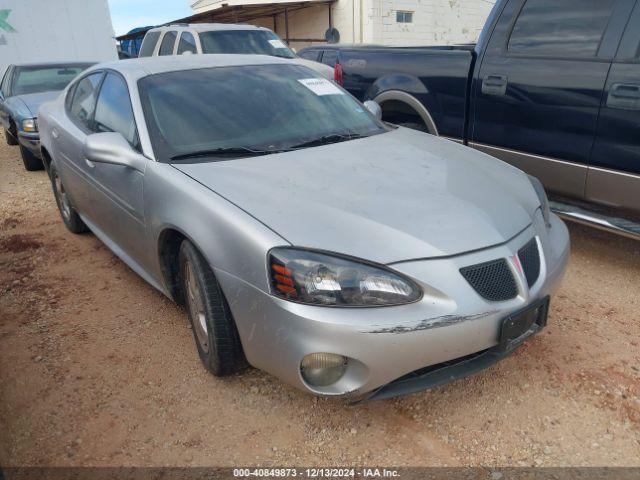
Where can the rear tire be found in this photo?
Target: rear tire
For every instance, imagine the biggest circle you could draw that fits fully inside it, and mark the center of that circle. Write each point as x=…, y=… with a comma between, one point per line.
x=30, y=161
x=70, y=217
x=214, y=329
x=11, y=140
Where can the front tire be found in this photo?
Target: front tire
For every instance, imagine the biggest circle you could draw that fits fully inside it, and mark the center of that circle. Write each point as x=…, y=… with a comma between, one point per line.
x=30, y=161
x=11, y=140
x=214, y=329
x=70, y=217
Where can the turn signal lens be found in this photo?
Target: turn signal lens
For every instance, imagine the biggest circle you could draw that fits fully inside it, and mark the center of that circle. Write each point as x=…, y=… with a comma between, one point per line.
x=30, y=125
x=321, y=279
x=323, y=369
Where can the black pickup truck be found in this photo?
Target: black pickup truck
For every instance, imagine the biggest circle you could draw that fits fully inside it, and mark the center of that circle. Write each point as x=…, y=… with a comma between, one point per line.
x=552, y=86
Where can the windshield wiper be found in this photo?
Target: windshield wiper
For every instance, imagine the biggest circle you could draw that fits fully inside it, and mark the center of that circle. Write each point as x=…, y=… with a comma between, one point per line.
x=223, y=151
x=327, y=139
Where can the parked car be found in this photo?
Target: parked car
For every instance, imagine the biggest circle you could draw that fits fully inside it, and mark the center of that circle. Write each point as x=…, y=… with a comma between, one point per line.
x=199, y=38
x=342, y=255
x=551, y=87
x=23, y=89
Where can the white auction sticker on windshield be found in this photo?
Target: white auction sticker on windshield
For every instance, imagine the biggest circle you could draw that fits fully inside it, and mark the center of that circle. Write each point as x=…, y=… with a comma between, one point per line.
x=275, y=43
x=321, y=86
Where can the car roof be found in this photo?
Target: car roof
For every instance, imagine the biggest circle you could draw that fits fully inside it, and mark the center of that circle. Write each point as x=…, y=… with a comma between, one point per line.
x=208, y=27
x=136, y=68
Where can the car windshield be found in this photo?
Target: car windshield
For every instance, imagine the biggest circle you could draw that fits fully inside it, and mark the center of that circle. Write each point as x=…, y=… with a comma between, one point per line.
x=45, y=78
x=246, y=110
x=261, y=42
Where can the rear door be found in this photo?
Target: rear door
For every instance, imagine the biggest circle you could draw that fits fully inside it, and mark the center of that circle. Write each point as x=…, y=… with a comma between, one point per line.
x=167, y=43
x=69, y=134
x=537, y=94
x=118, y=201
x=614, y=175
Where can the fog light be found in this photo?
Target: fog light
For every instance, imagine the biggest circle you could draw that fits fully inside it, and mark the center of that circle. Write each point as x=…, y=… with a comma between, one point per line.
x=322, y=369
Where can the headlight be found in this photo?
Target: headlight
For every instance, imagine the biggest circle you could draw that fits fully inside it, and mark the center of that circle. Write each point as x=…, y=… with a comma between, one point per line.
x=30, y=125
x=542, y=196
x=321, y=279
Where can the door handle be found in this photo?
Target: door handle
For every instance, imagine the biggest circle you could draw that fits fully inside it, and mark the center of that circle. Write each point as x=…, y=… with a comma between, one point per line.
x=625, y=96
x=621, y=90
x=495, y=84
x=54, y=133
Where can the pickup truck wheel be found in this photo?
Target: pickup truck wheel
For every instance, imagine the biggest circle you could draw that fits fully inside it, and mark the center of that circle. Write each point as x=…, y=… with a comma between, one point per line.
x=30, y=161
x=70, y=217
x=11, y=140
x=214, y=329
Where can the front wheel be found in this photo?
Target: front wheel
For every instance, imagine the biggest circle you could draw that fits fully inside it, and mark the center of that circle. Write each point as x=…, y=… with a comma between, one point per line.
x=214, y=329
x=70, y=217
x=30, y=161
x=11, y=140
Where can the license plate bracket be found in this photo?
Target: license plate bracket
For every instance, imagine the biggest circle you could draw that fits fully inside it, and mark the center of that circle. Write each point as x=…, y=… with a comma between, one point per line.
x=519, y=326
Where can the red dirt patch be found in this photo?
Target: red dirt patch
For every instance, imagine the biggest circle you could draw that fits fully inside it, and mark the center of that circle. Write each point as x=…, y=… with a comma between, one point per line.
x=19, y=243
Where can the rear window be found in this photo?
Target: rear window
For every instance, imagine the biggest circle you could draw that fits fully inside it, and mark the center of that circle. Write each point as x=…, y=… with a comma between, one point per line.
x=149, y=44
x=570, y=28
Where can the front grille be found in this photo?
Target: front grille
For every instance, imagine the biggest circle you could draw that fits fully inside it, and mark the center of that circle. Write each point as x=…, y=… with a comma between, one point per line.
x=530, y=260
x=492, y=280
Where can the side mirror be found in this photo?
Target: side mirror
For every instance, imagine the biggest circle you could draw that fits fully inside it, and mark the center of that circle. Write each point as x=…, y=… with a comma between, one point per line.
x=112, y=148
x=374, y=108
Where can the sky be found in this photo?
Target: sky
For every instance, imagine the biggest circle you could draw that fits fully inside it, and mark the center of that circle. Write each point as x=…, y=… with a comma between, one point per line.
x=128, y=14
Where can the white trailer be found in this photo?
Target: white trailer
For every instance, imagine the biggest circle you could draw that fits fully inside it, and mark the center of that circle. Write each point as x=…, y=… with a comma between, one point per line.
x=55, y=30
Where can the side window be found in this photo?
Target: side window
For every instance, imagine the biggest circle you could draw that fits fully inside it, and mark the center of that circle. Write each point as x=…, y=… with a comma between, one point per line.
x=84, y=99
x=6, y=80
x=571, y=28
x=187, y=43
x=168, y=41
x=329, y=57
x=149, y=44
x=113, y=110
x=309, y=55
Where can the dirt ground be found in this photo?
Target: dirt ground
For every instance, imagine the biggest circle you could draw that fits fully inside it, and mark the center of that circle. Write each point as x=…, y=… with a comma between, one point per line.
x=97, y=368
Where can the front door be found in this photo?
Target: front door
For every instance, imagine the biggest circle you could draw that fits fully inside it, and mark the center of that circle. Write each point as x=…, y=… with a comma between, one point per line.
x=119, y=202
x=538, y=90
x=614, y=174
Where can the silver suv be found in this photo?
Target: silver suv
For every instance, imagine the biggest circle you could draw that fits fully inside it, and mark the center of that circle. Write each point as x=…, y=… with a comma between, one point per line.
x=181, y=39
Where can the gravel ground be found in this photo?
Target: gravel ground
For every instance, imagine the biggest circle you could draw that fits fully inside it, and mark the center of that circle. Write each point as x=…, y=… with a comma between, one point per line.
x=97, y=368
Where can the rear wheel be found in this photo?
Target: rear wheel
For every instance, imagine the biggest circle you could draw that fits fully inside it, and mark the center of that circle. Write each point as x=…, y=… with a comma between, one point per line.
x=30, y=161
x=214, y=329
x=69, y=215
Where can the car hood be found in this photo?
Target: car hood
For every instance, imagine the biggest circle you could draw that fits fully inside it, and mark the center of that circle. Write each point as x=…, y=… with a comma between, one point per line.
x=395, y=196
x=33, y=100
x=325, y=70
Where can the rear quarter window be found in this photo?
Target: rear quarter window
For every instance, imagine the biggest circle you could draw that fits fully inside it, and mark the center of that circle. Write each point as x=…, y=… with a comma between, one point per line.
x=149, y=44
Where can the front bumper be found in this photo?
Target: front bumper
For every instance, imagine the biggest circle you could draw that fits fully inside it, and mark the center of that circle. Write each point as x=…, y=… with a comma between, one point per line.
x=30, y=141
x=452, y=321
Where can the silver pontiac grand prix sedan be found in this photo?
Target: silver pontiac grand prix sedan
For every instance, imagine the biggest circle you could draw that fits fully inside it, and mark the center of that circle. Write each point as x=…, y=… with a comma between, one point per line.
x=306, y=237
